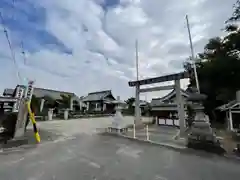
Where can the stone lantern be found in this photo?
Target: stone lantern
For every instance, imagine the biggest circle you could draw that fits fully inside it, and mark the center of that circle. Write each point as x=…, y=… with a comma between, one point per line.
x=118, y=117
x=118, y=122
x=201, y=134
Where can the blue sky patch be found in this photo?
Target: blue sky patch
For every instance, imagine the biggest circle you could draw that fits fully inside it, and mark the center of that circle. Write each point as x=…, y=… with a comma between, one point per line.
x=25, y=21
x=107, y=4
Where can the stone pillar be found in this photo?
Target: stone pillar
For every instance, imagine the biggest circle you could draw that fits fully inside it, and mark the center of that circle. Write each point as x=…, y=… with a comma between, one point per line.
x=104, y=107
x=87, y=106
x=22, y=109
x=41, y=105
x=80, y=105
x=50, y=114
x=230, y=121
x=66, y=114
x=180, y=107
x=71, y=104
x=21, y=119
x=137, y=103
x=96, y=106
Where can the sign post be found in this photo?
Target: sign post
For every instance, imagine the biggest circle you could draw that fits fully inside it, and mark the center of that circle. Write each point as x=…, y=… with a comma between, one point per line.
x=22, y=108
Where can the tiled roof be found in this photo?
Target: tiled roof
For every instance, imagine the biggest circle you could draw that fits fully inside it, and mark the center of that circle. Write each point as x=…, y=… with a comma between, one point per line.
x=8, y=92
x=96, y=96
x=227, y=106
x=160, y=101
x=41, y=92
x=141, y=103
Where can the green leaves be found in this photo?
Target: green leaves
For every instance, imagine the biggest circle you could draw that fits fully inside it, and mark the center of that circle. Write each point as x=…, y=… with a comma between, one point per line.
x=65, y=101
x=219, y=65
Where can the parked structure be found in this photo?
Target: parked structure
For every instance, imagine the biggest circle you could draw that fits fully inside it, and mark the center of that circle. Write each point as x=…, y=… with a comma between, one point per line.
x=101, y=102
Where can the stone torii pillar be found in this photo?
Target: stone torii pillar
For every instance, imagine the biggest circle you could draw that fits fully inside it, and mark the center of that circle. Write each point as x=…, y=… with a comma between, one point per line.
x=137, y=119
x=180, y=107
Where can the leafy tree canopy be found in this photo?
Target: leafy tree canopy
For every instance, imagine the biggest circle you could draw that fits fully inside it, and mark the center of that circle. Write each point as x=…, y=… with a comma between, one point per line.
x=218, y=65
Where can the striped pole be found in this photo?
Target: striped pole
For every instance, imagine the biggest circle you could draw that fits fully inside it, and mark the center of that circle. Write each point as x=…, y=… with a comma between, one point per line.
x=134, y=131
x=147, y=133
x=32, y=118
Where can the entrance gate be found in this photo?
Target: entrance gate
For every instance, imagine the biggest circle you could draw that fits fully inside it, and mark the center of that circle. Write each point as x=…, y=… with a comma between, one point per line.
x=172, y=77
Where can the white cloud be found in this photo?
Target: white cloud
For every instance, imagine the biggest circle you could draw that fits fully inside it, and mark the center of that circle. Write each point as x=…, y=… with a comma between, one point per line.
x=103, y=42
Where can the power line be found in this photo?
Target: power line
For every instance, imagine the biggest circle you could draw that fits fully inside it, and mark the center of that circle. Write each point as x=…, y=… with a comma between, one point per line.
x=24, y=54
x=10, y=47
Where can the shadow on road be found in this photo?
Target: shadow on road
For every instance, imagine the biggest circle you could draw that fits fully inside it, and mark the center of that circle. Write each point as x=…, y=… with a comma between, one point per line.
x=29, y=139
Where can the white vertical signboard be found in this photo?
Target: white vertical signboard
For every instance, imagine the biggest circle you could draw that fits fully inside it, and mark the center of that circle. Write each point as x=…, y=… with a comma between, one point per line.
x=22, y=113
x=29, y=91
x=19, y=94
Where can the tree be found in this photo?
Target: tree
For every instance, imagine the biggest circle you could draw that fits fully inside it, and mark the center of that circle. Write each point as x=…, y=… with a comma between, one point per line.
x=130, y=107
x=130, y=101
x=49, y=102
x=35, y=104
x=236, y=13
x=218, y=66
x=65, y=101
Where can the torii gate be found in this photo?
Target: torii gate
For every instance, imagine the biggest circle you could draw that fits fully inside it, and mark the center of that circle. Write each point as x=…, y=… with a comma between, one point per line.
x=172, y=77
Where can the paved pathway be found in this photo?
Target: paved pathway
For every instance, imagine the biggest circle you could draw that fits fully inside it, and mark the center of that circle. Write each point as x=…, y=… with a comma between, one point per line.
x=75, y=154
x=103, y=157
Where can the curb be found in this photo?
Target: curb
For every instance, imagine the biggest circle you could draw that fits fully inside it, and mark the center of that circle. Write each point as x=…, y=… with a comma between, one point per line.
x=181, y=149
x=169, y=146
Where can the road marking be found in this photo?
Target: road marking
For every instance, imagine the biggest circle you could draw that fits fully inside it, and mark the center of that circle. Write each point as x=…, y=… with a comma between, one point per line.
x=15, y=161
x=90, y=163
x=157, y=177
x=129, y=151
x=95, y=165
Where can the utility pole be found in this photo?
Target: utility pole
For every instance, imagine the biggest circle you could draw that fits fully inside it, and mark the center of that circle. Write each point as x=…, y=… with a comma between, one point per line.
x=137, y=93
x=136, y=48
x=192, y=55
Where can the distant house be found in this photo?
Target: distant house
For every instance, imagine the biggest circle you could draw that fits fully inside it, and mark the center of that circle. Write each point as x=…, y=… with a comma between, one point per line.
x=54, y=94
x=101, y=101
x=231, y=113
x=165, y=108
x=142, y=104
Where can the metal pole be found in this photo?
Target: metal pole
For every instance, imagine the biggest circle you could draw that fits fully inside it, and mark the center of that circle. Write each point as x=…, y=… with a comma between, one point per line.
x=147, y=132
x=134, y=131
x=137, y=108
x=192, y=54
x=136, y=46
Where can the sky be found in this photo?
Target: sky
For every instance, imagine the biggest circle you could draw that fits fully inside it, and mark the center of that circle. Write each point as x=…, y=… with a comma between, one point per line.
x=89, y=45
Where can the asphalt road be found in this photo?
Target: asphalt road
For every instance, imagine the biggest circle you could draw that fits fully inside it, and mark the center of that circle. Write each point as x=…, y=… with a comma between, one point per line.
x=102, y=157
x=72, y=150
